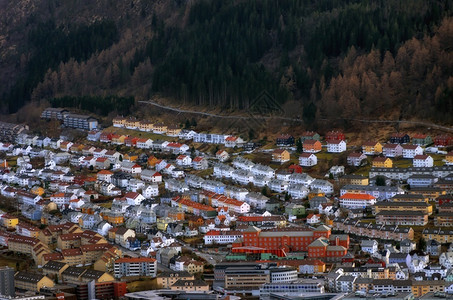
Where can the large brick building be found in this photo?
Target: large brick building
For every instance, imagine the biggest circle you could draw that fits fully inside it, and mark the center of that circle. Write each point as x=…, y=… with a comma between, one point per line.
x=278, y=241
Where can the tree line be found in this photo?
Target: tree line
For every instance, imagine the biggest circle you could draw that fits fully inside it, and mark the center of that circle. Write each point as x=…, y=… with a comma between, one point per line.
x=337, y=58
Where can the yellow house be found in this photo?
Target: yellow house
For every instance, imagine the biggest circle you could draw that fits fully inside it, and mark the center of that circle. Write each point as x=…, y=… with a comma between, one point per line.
x=37, y=190
x=32, y=281
x=430, y=193
x=9, y=221
x=382, y=162
x=119, y=122
x=106, y=262
x=160, y=128
x=420, y=288
x=132, y=123
x=162, y=223
x=173, y=130
x=130, y=157
x=371, y=148
x=280, y=155
x=449, y=158
x=118, y=139
x=152, y=161
x=354, y=179
x=194, y=266
x=403, y=206
x=146, y=126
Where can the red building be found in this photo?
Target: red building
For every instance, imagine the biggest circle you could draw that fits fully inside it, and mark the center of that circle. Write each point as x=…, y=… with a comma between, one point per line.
x=335, y=136
x=295, y=169
x=279, y=241
x=102, y=290
x=331, y=249
x=131, y=141
x=443, y=141
x=105, y=137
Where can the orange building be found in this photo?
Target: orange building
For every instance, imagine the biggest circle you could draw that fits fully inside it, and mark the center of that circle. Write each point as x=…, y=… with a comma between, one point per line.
x=312, y=146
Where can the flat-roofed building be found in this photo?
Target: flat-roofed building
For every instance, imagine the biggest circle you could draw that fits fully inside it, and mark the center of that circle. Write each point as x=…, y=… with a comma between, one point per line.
x=238, y=278
x=80, y=121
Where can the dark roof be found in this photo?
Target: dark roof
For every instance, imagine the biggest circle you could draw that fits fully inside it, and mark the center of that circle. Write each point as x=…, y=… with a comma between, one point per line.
x=92, y=274
x=174, y=274
x=195, y=282
x=28, y=277
x=73, y=271
x=53, y=265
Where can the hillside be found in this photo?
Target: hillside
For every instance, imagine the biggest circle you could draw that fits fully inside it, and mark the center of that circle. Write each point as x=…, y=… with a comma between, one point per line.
x=316, y=59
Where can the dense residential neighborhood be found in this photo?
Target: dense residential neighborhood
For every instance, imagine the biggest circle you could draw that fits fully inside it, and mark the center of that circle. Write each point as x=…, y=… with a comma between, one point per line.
x=103, y=212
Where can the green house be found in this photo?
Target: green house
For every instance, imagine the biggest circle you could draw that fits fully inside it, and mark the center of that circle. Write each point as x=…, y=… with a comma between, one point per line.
x=295, y=209
x=310, y=135
x=422, y=139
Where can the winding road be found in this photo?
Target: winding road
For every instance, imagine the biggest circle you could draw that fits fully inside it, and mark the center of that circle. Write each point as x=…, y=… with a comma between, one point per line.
x=178, y=110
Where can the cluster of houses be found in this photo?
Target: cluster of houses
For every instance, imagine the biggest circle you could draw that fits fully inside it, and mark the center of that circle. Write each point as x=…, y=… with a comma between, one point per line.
x=176, y=131
x=96, y=205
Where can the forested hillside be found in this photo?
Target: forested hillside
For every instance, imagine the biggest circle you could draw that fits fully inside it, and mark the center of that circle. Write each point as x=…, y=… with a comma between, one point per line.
x=337, y=58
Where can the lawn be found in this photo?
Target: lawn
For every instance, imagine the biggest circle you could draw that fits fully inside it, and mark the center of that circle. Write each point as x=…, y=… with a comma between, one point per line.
x=140, y=134
x=438, y=159
x=203, y=173
x=364, y=171
x=142, y=285
x=402, y=163
x=323, y=155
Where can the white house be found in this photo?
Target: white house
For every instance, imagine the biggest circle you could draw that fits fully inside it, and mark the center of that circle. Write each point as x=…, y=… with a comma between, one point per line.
x=150, y=191
x=323, y=185
x=423, y=161
x=298, y=191
x=243, y=163
x=260, y=180
x=446, y=259
x=222, y=155
x=242, y=176
x=369, y=246
x=301, y=178
x=183, y=160
x=278, y=186
x=356, y=159
x=260, y=169
x=233, y=141
x=199, y=163
x=133, y=198
x=308, y=159
x=392, y=150
x=221, y=237
x=410, y=151
x=313, y=219
x=336, y=146
x=144, y=143
x=221, y=170
x=151, y=176
x=131, y=167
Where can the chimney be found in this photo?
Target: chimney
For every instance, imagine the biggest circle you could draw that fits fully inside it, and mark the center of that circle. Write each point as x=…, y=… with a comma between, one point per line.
x=337, y=241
